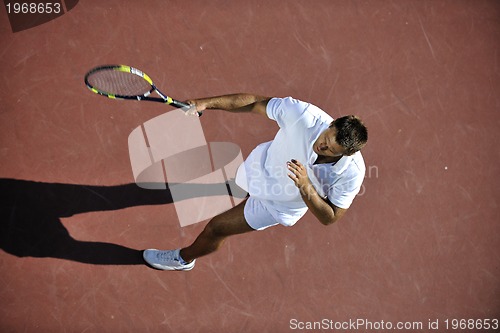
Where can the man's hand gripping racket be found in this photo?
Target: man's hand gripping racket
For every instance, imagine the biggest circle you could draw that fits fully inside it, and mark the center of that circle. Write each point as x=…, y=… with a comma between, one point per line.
x=125, y=82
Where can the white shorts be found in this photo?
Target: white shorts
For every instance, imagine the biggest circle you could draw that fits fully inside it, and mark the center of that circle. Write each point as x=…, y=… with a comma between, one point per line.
x=260, y=215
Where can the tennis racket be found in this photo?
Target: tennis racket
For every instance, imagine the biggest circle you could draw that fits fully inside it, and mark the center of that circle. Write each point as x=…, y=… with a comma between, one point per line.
x=125, y=82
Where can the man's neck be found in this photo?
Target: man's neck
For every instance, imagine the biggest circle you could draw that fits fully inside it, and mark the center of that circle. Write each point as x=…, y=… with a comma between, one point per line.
x=327, y=159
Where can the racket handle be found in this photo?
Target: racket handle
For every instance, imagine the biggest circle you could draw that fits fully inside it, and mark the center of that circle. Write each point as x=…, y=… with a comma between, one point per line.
x=182, y=105
x=179, y=104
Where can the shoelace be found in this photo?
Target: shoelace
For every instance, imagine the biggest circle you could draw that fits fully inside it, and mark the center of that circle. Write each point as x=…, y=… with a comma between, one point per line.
x=166, y=256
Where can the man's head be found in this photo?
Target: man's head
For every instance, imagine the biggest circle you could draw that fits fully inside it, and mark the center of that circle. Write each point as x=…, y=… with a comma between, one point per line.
x=345, y=136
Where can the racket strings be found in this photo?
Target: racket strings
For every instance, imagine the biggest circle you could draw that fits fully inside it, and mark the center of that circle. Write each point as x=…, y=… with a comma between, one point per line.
x=119, y=83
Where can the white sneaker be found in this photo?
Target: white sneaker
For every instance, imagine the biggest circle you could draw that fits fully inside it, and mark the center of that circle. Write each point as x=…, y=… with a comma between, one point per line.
x=166, y=260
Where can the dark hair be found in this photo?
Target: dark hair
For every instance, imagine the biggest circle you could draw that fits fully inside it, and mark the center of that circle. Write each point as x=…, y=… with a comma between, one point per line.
x=352, y=134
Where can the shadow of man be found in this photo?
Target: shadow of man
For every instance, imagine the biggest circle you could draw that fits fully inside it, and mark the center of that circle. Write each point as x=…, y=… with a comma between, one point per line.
x=31, y=213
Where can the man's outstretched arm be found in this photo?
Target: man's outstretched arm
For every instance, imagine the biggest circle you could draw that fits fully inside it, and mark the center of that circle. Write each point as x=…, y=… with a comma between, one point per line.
x=233, y=103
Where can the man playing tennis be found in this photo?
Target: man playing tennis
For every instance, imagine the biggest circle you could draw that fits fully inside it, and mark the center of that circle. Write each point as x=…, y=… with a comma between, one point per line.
x=314, y=162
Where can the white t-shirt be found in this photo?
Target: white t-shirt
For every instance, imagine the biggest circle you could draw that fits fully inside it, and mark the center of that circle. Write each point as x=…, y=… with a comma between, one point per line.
x=264, y=173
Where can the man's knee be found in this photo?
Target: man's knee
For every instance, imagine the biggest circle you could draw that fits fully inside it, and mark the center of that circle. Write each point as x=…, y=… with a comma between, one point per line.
x=215, y=228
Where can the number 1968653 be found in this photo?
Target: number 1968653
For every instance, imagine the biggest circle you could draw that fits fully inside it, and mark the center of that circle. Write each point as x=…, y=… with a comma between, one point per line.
x=33, y=8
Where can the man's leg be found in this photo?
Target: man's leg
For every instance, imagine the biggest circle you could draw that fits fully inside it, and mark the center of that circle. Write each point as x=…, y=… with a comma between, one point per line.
x=211, y=238
x=231, y=222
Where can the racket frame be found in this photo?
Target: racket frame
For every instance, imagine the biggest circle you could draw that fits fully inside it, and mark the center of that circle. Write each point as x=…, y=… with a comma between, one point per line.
x=144, y=97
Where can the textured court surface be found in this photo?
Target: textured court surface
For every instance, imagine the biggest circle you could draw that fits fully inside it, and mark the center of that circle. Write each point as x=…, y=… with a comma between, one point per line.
x=420, y=243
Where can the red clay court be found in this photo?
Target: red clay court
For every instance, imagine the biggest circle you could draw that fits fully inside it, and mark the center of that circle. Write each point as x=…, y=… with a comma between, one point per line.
x=418, y=248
